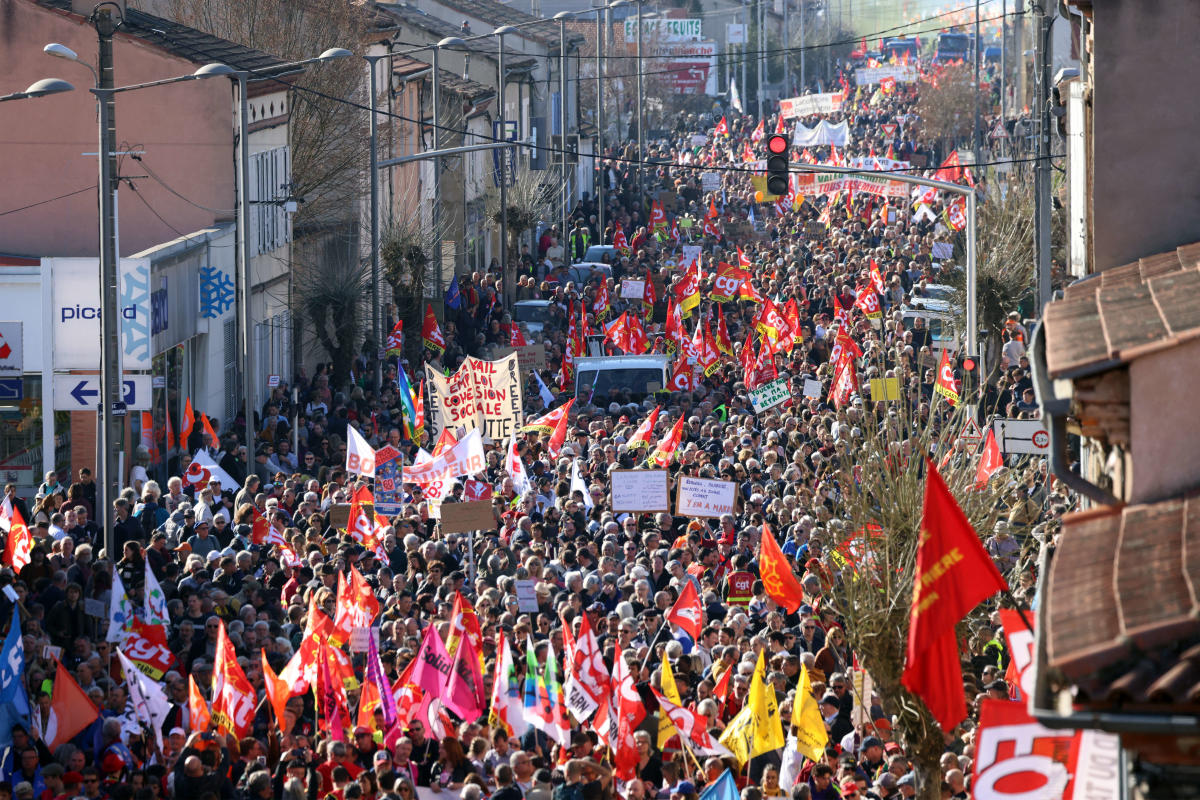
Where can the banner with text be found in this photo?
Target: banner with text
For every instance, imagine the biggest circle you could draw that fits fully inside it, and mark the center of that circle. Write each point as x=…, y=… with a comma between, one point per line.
x=806, y=105
x=464, y=458
x=700, y=497
x=902, y=73
x=813, y=183
x=822, y=134
x=481, y=394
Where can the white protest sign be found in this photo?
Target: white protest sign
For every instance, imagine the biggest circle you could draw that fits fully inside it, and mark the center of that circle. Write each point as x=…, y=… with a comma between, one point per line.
x=710, y=181
x=770, y=395
x=903, y=73
x=632, y=289
x=700, y=497
x=464, y=458
x=482, y=394
x=812, y=387
x=527, y=596
x=640, y=490
x=691, y=252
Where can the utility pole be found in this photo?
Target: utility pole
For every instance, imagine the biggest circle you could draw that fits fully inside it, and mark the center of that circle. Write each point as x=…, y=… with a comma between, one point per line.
x=598, y=149
x=1041, y=172
x=787, y=50
x=1003, y=61
x=977, y=137
x=112, y=427
x=562, y=17
x=759, y=59
x=803, y=48
x=641, y=105
x=376, y=327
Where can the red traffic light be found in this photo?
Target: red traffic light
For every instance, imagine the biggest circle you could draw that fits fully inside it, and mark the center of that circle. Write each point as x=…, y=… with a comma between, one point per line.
x=777, y=144
x=969, y=364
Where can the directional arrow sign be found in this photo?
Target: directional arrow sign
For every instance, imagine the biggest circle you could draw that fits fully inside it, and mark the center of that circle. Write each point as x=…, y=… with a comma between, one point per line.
x=82, y=392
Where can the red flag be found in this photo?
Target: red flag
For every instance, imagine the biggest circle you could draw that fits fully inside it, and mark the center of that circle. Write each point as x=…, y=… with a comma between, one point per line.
x=658, y=217
x=759, y=131
x=356, y=604
x=619, y=241
x=431, y=333
x=630, y=711
x=662, y=455
x=641, y=436
x=19, y=546
x=777, y=576
x=465, y=694
x=648, y=295
x=722, y=128
x=277, y=691
x=990, y=460
x=189, y=422
x=233, y=696
x=213, y=441
x=601, y=303
x=198, y=713
x=953, y=575
x=945, y=385
x=71, y=710
x=687, y=612
x=722, y=338
x=721, y=690
x=516, y=337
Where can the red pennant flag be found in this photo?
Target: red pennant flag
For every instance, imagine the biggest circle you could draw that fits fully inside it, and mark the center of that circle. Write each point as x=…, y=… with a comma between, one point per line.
x=516, y=336
x=189, y=422
x=722, y=128
x=990, y=461
x=278, y=693
x=724, y=344
x=213, y=441
x=431, y=333
x=945, y=385
x=234, y=698
x=777, y=576
x=18, y=549
x=198, y=713
x=71, y=710
x=641, y=437
x=953, y=575
x=687, y=612
x=619, y=241
x=662, y=455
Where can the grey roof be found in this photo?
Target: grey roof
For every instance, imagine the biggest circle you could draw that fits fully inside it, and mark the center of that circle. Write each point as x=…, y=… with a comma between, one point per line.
x=184, y=41
x=440, y=29
x=496, y=13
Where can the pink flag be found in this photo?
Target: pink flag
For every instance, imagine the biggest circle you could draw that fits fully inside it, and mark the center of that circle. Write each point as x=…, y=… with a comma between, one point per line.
x=432, y=669
x=464, y=694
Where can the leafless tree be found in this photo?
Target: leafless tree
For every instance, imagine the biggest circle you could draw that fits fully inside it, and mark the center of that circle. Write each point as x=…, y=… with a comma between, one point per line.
x=530, y=199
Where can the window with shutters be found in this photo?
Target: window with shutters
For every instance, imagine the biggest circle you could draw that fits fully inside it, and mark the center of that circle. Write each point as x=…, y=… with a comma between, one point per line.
x=270, y=176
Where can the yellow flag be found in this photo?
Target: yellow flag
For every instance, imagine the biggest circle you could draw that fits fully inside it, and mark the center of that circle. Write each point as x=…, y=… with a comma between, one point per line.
x=738, y=734
x=666, y=729
x=768, y=728
x=811, y=736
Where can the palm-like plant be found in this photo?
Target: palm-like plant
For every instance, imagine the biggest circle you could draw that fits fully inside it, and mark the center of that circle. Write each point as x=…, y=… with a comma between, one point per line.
x=530, y=198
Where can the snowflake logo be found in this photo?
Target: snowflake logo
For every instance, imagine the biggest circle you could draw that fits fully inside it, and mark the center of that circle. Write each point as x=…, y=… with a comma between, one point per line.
x=216, y=292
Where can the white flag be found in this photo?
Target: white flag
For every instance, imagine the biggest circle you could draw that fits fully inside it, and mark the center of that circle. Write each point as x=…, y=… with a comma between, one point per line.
x=120, y=611
x=6, y=509
x=516, y=468
x=150, y=704
x=203, y=469
x=577, y=485
x=360, y=457
x=735, y=98
x=156, y=601
x=546, y=395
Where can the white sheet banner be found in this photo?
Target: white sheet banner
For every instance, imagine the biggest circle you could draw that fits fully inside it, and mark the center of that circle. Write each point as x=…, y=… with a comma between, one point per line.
x=482, y=394
x=825, y=103
x=814, y=183
x=464, y=458
x=824, y=133
x=903, y=73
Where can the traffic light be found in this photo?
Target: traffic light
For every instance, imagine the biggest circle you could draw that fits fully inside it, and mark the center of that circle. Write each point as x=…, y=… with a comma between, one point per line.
x=777, y=164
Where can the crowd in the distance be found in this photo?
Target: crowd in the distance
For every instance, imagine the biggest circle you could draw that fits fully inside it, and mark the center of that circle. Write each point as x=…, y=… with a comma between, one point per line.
x=621, y=571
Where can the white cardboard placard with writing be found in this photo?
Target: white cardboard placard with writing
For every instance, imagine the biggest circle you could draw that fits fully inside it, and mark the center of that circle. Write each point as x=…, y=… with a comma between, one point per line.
x=701, y=497
x=640, y=490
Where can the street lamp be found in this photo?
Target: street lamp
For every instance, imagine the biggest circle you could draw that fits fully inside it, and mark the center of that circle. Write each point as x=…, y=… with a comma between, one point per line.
x=110, y=364
x=243, y=216
x=562, y=18
x=40, y=89
x=504, y=155
x=641, y=133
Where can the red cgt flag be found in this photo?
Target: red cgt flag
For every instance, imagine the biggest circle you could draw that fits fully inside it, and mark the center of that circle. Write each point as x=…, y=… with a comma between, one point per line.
x=777, y=576
x=953, y=575
x=71, y=710
x=431, y=333
x=687, y=612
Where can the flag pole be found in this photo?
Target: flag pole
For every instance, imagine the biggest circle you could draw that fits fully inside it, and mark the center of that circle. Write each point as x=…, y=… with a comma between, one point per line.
x=653, y=642
x=1020, y=611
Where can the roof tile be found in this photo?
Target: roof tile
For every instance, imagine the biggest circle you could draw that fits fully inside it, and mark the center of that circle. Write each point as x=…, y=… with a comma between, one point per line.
x=1074, y=333
x=1178, y=298
x=1129, y=316
x=1152, y=595
x=1081, y=607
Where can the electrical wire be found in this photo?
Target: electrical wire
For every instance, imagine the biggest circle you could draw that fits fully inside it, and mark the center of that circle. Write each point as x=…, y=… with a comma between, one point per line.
x=44, y=202
x=154, y=175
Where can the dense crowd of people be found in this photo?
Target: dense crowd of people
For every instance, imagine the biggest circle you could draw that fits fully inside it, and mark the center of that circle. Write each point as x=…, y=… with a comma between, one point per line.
x=818, y=255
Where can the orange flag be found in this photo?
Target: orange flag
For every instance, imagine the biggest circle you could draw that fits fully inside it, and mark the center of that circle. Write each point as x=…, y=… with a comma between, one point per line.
x=198, y=714
x=71, y=710
x=990, y=460
x=464, y=625
x=665, y=452
x=368, y=701
x=777, y=576
x=278, y=693
x=189, y=422
x=208, y=428
x=953, y=575
x=233, y=697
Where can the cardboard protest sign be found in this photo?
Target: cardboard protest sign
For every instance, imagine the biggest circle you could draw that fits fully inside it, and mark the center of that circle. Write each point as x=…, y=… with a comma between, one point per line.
x=467, y=517
x=640, y=490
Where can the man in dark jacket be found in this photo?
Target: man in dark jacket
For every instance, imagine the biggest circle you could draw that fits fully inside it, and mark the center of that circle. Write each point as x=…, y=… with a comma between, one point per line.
x=202, y=766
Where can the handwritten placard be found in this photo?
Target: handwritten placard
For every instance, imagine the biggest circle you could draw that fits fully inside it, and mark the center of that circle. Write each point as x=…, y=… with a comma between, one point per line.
x=701, y=497
x=770, y=395
x=527, y=602
x=640, y=490
x=632, y=289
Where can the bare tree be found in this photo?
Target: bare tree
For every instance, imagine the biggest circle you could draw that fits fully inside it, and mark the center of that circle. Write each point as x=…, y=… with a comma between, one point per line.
x=947, y=97
x=530, y=199
x=407, y=250
x=881, y=504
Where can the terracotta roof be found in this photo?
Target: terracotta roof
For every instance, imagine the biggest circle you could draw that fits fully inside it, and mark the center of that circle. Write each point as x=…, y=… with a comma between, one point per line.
x=450, y=81
x=1125, y=312
x=183, y=41
x=1123, y=604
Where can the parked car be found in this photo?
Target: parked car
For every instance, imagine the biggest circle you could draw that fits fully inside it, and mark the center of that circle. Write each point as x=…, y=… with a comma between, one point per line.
x=597, y=252
x=532, y=314
x=586, y=271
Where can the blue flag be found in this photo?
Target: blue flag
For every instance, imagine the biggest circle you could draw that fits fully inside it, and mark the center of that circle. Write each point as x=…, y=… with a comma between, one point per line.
x=453, y=295
x=723, y=788
x=14, y=703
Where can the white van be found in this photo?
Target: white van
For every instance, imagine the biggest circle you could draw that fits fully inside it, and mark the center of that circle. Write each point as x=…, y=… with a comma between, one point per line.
x=943, y=332
x=640, y=376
